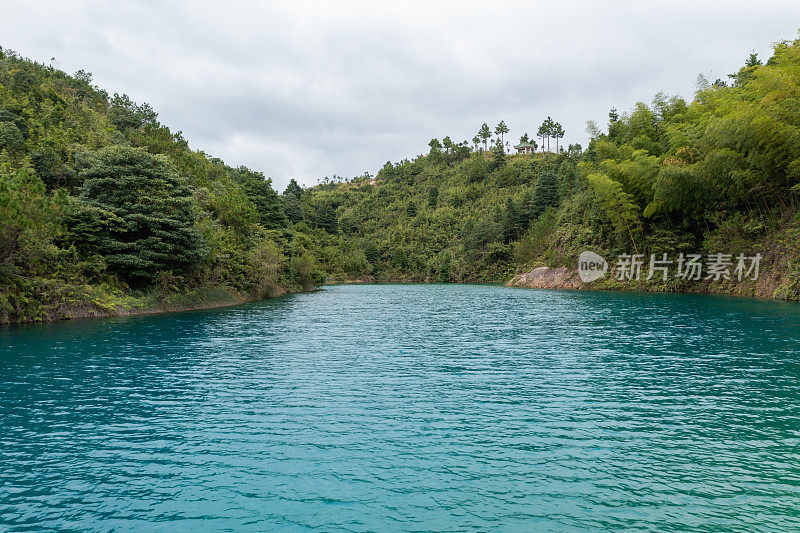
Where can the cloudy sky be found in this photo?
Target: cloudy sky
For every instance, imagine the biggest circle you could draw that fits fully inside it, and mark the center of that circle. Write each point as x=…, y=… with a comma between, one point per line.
x=311, y=89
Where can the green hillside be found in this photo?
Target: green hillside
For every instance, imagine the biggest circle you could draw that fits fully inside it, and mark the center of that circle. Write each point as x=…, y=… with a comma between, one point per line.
x=719, y=174
x=105, y=210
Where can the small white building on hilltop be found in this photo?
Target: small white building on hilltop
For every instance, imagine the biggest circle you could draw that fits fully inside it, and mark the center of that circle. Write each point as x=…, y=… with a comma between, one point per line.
x=525, y=148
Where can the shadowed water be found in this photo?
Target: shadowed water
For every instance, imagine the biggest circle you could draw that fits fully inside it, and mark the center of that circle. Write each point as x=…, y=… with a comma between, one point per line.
x=408, y=408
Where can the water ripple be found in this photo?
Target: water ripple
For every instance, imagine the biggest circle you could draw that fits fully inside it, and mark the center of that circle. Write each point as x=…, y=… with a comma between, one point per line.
x=408, y=408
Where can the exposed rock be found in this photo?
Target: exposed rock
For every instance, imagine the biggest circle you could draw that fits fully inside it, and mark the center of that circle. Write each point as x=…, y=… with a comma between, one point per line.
x=548, y=278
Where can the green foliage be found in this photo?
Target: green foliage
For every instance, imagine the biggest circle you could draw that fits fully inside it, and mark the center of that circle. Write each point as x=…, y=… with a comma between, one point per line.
x=500, y=130
x=615, y=205
x=476, y=169
x=433, y=197
x=537, y=242
x=511, y=222
x=292, y=202
x=29, y=220
x=444, y=267
x=498, y=155
x=545, y=195
x=30, y=223
x=137, y=215
x=10, y=137
x=126, y=114
x=484, y=134
x=260, y=192
x=97, y=196
x=326, y=217
x=306, y=271
x=266, y=262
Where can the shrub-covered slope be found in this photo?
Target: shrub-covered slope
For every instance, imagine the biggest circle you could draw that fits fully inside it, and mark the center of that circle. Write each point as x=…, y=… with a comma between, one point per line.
x=103, y=209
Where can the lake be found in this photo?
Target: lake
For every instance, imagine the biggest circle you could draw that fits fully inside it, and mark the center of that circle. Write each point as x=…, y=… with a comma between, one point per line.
x=408, y=408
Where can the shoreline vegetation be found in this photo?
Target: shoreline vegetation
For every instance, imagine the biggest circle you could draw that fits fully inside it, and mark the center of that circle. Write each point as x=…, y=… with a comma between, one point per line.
x=199, y=299
x=105, y=211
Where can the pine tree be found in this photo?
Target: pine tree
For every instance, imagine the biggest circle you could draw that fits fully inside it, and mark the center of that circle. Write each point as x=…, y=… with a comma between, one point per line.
x=548, y=130
x=485, y=134
x=558, y=133
x=501, y=129
x=433, y=197
x=436, y=150
x=293, y=189
x=326, y=218
x=136, y=213
x=525, y=210
x=292, y=201
x=498, y=155
x=543, y=133
x=511, y=221
x=545, y=195
x=444, y=267
x=448, y=145
x=259, y=190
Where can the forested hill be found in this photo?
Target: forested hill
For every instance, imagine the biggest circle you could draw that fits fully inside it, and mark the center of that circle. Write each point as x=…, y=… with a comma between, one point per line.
x=103, y=209
x=718, y=175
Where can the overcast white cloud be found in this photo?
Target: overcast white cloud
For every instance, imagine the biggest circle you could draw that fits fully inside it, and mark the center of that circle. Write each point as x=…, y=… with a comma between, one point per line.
x=311, y=89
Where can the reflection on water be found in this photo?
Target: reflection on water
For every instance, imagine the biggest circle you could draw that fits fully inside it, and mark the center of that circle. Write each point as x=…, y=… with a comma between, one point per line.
x=409, y=407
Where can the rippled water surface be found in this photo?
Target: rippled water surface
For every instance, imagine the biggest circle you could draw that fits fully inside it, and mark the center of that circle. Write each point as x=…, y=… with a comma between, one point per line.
x=408, y=408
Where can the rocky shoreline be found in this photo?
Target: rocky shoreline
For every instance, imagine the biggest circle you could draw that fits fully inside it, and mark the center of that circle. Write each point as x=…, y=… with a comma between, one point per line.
x=775, y=283
x=548, y=278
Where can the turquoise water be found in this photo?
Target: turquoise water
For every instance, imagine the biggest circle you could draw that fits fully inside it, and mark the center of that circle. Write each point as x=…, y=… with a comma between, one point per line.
x=408, y=408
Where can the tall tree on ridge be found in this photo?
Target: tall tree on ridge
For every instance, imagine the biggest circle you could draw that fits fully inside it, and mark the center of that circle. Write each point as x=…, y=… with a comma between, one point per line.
x=558, y=133
x=501, y=129
x=543, y=134
x=752, y=63
x=448, y=144
x=485, y=134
